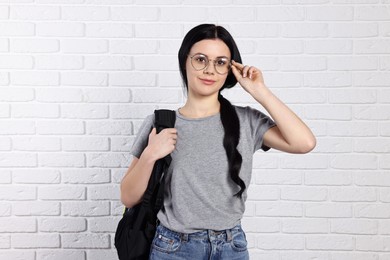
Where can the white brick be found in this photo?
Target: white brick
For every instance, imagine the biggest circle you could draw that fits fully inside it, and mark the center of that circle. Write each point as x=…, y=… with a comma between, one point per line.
x=85, y=144
x=61, y=160
x=384, y=29
x=59, y=95
x=133, y=111
x=170, y=47
x=135, y=46
x=36, y=208
x=193, y=14
x=375, y=79
x=107, y=30
x=327, y=242
x=288, y=13
x=9, y=225
x=377, y=46
x=334, y=145
x=60, y=255
x=169, y=79
x=279, y=209
x=17, y=255
x=384, y=227
x=353, y=30
x=9, y=28
x=102, y=254
x=160, y=30
x=108, y=160
x=303, y=63
x=60, y=127
x=298, y=96
x=156, y=95
x=257, y=192
x=328, y=79
x=351, y=194
x=61, y=29
x=5, y=242
x=85, y=176
x=153, y=63
x=108, y=63
x=354, y=226
x=352, y=96
x=5, y=209
x=18, y=160
x=372, y=112
x=303, y=194
x=328, y=210
x=34, y=12
x=35, y=241
x=4, y=78
x=372, y=243
x=17, y=127
x=25, y=176
x=137, y=79
x=16, y=62
x=35, y=78
x=307, y=255
x=83, y=78
x=308, y=161
x=354, y=161
x=333, y=46
x=85, y=13
x=60, y=224
x=4, y=12
x=36, y=144
x=63, y=192
x=305, y=226
x=372, y=13
x=354, y=256
x=255, y=30
x=333, y=178
x=109, y=128
x=280, y=242
x=84, y=111
x=16, y=94
x=372, y=145
x=383, y=95
x=35, y=111
x=135, y=13
x=85, y=241
x=5, y=144
x=85, y=208
x=300, y=30
x=104, y=192
x=115, y=95
x=353, y=129
x=344, y=63
x=83, y=46
x=277, y=177
x=5, y=176
x=363, y=178
x=329, y=13
x=40, y=45
x=384, y=161
x=327, y=112
x=261, y=225
x=280, y=46
x=104, y=224
x=60, y=62
x=121, y=144
x=381, y=211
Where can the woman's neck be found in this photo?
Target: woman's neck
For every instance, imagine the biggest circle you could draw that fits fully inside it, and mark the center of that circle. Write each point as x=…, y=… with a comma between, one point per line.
x=198, y=108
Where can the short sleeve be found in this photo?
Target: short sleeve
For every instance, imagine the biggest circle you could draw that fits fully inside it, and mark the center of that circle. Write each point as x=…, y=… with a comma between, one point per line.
x=141, y=140
x=259, y=124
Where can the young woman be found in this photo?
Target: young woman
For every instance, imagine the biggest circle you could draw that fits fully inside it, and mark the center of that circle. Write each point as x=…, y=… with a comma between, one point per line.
x=212, y=146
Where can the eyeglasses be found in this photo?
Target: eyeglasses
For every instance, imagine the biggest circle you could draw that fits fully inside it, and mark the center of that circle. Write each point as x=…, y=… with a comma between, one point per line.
x=200, y=61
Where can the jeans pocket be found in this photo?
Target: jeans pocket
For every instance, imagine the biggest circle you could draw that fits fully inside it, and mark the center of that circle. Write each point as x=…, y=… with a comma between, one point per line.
x=166, y=242
x=239, y=242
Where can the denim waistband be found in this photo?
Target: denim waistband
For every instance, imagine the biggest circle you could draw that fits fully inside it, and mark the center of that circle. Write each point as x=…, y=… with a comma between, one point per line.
x=207, y=234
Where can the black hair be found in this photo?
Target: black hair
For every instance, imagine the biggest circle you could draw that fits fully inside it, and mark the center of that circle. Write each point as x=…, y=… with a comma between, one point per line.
x=229, y=117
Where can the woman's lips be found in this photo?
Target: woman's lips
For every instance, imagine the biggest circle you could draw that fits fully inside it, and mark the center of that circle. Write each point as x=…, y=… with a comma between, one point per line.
x=207, y=81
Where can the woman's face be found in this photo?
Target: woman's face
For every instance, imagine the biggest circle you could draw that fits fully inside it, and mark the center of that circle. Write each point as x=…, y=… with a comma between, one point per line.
x=207, y=81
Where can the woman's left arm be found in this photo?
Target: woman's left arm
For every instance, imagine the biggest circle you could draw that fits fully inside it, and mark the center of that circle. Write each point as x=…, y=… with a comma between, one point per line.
x=290, y=134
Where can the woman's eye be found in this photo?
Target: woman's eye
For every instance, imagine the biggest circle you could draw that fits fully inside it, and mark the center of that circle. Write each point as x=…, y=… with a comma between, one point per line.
x=201, y=59
x=221, y=62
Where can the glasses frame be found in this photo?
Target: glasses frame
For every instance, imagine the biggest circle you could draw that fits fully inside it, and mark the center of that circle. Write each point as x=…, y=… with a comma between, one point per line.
x=208, y=63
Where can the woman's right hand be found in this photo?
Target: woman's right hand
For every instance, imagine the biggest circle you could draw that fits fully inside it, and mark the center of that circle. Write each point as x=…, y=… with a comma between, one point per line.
x=161, y=144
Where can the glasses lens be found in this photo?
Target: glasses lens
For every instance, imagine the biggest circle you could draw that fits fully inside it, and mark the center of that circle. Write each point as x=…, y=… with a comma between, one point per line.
x=222, y=65
x=199, y=61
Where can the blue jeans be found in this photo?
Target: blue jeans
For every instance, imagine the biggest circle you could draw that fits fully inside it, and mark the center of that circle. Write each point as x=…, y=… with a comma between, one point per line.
x=204, y=245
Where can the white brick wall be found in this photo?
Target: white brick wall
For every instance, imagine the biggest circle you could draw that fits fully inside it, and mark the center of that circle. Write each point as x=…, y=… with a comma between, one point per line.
x=77, y=77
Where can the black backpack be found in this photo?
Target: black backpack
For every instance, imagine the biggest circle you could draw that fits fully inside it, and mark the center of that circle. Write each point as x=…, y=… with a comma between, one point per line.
x=136, y=229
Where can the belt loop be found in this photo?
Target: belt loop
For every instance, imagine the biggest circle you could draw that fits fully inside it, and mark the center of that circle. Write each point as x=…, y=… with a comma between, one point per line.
x=184, y=237
x=229, y=236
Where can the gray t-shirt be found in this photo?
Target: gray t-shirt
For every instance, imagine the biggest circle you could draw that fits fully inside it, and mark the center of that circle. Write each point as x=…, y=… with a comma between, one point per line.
x=199, y=193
